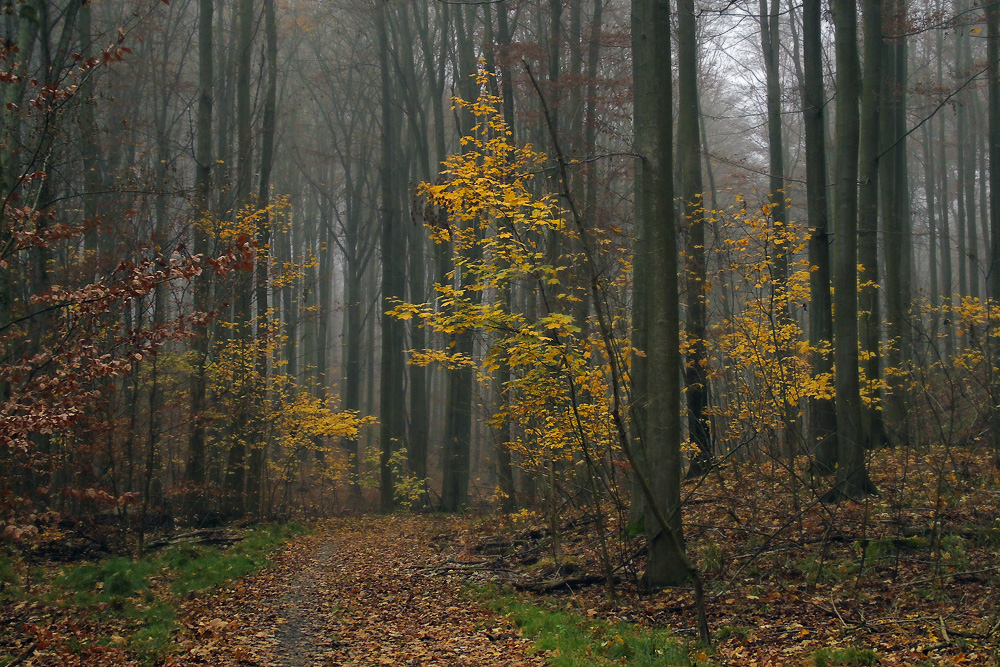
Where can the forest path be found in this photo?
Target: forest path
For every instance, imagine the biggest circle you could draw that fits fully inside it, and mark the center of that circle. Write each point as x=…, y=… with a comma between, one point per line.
x=358, y=592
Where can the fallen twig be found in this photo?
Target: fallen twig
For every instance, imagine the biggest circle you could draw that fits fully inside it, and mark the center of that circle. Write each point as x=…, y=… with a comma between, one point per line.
x=23, y=655
x=568, y=582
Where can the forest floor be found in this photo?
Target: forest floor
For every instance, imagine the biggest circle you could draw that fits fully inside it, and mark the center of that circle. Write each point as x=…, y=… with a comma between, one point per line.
x=356, y=592
x=893, y=580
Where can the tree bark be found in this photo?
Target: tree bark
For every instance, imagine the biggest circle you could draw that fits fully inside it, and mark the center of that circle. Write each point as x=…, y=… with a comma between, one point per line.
x=658, y=254
x=852, y=474
x=196, y=459
x=392, y=404
x=697, y=388
x=993, y=83
x=870, y=313
x=823, y=422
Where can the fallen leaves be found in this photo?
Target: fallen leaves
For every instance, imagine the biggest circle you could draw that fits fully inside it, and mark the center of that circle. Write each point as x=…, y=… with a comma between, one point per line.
x=353, y=595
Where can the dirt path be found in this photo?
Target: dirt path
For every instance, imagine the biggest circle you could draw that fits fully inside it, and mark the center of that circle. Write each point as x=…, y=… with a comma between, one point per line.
x=303, y=611
x=354, y=594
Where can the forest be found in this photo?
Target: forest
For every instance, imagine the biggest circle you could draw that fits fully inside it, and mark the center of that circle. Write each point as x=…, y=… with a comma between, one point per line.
x=612, y=332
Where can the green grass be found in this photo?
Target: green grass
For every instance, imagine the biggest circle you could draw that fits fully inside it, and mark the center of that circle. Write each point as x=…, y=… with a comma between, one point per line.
x=197, y=568
x=109, y=581
x=8, y=574
x=729, y=631
x=844, y=657
x=572, y=640
x=121, y=589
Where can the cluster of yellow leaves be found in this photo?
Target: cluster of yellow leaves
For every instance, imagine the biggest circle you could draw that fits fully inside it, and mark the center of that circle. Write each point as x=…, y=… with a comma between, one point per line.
x=248, y=220
x=290, y=420
x=556, y=384
x=760, y=347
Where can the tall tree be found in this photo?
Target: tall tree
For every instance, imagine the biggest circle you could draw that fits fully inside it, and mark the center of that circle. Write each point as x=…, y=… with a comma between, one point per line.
x=419, y=425
x=656, y=268
x=196, y=460
x=823, y=421
x=258, y=453
x=870, y=311
x=236, y=465
x=993, y=83
x=696, y=386
x=896, y=219
x=392, y=404
x=852, y=473
x=458, y=434
x=947, y=275
x=770, y=49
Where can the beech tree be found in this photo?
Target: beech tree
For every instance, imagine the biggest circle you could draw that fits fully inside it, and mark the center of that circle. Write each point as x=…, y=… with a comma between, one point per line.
x=656, y=290
x=852, y=474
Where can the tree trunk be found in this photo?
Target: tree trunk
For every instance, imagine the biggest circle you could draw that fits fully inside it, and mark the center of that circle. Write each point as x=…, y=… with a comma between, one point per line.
x=823, y=422
x=870, y=313
x=696, y=383
x=661, y=438
x=258, y=452
x=852, y=474
x=458, y=432
x=196, y=460
x=947, y=273
x=241, y=431
x=392, y=404
x=993, y=78
x=898, y=236
x=781, y=312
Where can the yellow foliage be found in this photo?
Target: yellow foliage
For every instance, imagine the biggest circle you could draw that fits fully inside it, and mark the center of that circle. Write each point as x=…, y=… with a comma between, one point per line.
x=557, y=386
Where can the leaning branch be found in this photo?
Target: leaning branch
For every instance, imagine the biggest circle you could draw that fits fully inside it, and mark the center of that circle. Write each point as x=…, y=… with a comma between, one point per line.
x=610, y=349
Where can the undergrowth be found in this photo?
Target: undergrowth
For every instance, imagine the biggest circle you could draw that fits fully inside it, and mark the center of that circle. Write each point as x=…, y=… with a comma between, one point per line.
x=571, y=639
x=140, y=597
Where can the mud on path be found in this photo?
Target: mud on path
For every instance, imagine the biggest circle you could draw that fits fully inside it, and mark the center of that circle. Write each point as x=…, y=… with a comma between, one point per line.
x=355, y=593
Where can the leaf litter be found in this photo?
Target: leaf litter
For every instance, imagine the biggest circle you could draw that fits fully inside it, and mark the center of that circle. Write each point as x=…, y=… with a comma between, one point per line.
x=353, y=593
x=911, y=582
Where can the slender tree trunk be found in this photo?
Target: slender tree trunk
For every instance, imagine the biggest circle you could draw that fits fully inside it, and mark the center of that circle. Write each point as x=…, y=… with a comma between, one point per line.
x=661, y=437
x=392, y=405
x=196, y=460
x=961, y=131
x=258, y=452
x=870, y=310
x=852, y=474
x=993, y=79
x=590, y=128
x=458, y=433
x=930, y=194
x=241, y=432
x=419, y=429
x=88, y=131
x=823, y=422
x=780, y=308
x=898, y=236
x=504, y=460
x=947, y=273
x=967, y=158
x=697, y=388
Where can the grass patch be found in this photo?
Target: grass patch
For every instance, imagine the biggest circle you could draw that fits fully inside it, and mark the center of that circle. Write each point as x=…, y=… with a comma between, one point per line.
x=727, y=632
x=573, y=640
x=139, y=597
x=844, y=657
x=195, y=568
x=110, y=581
